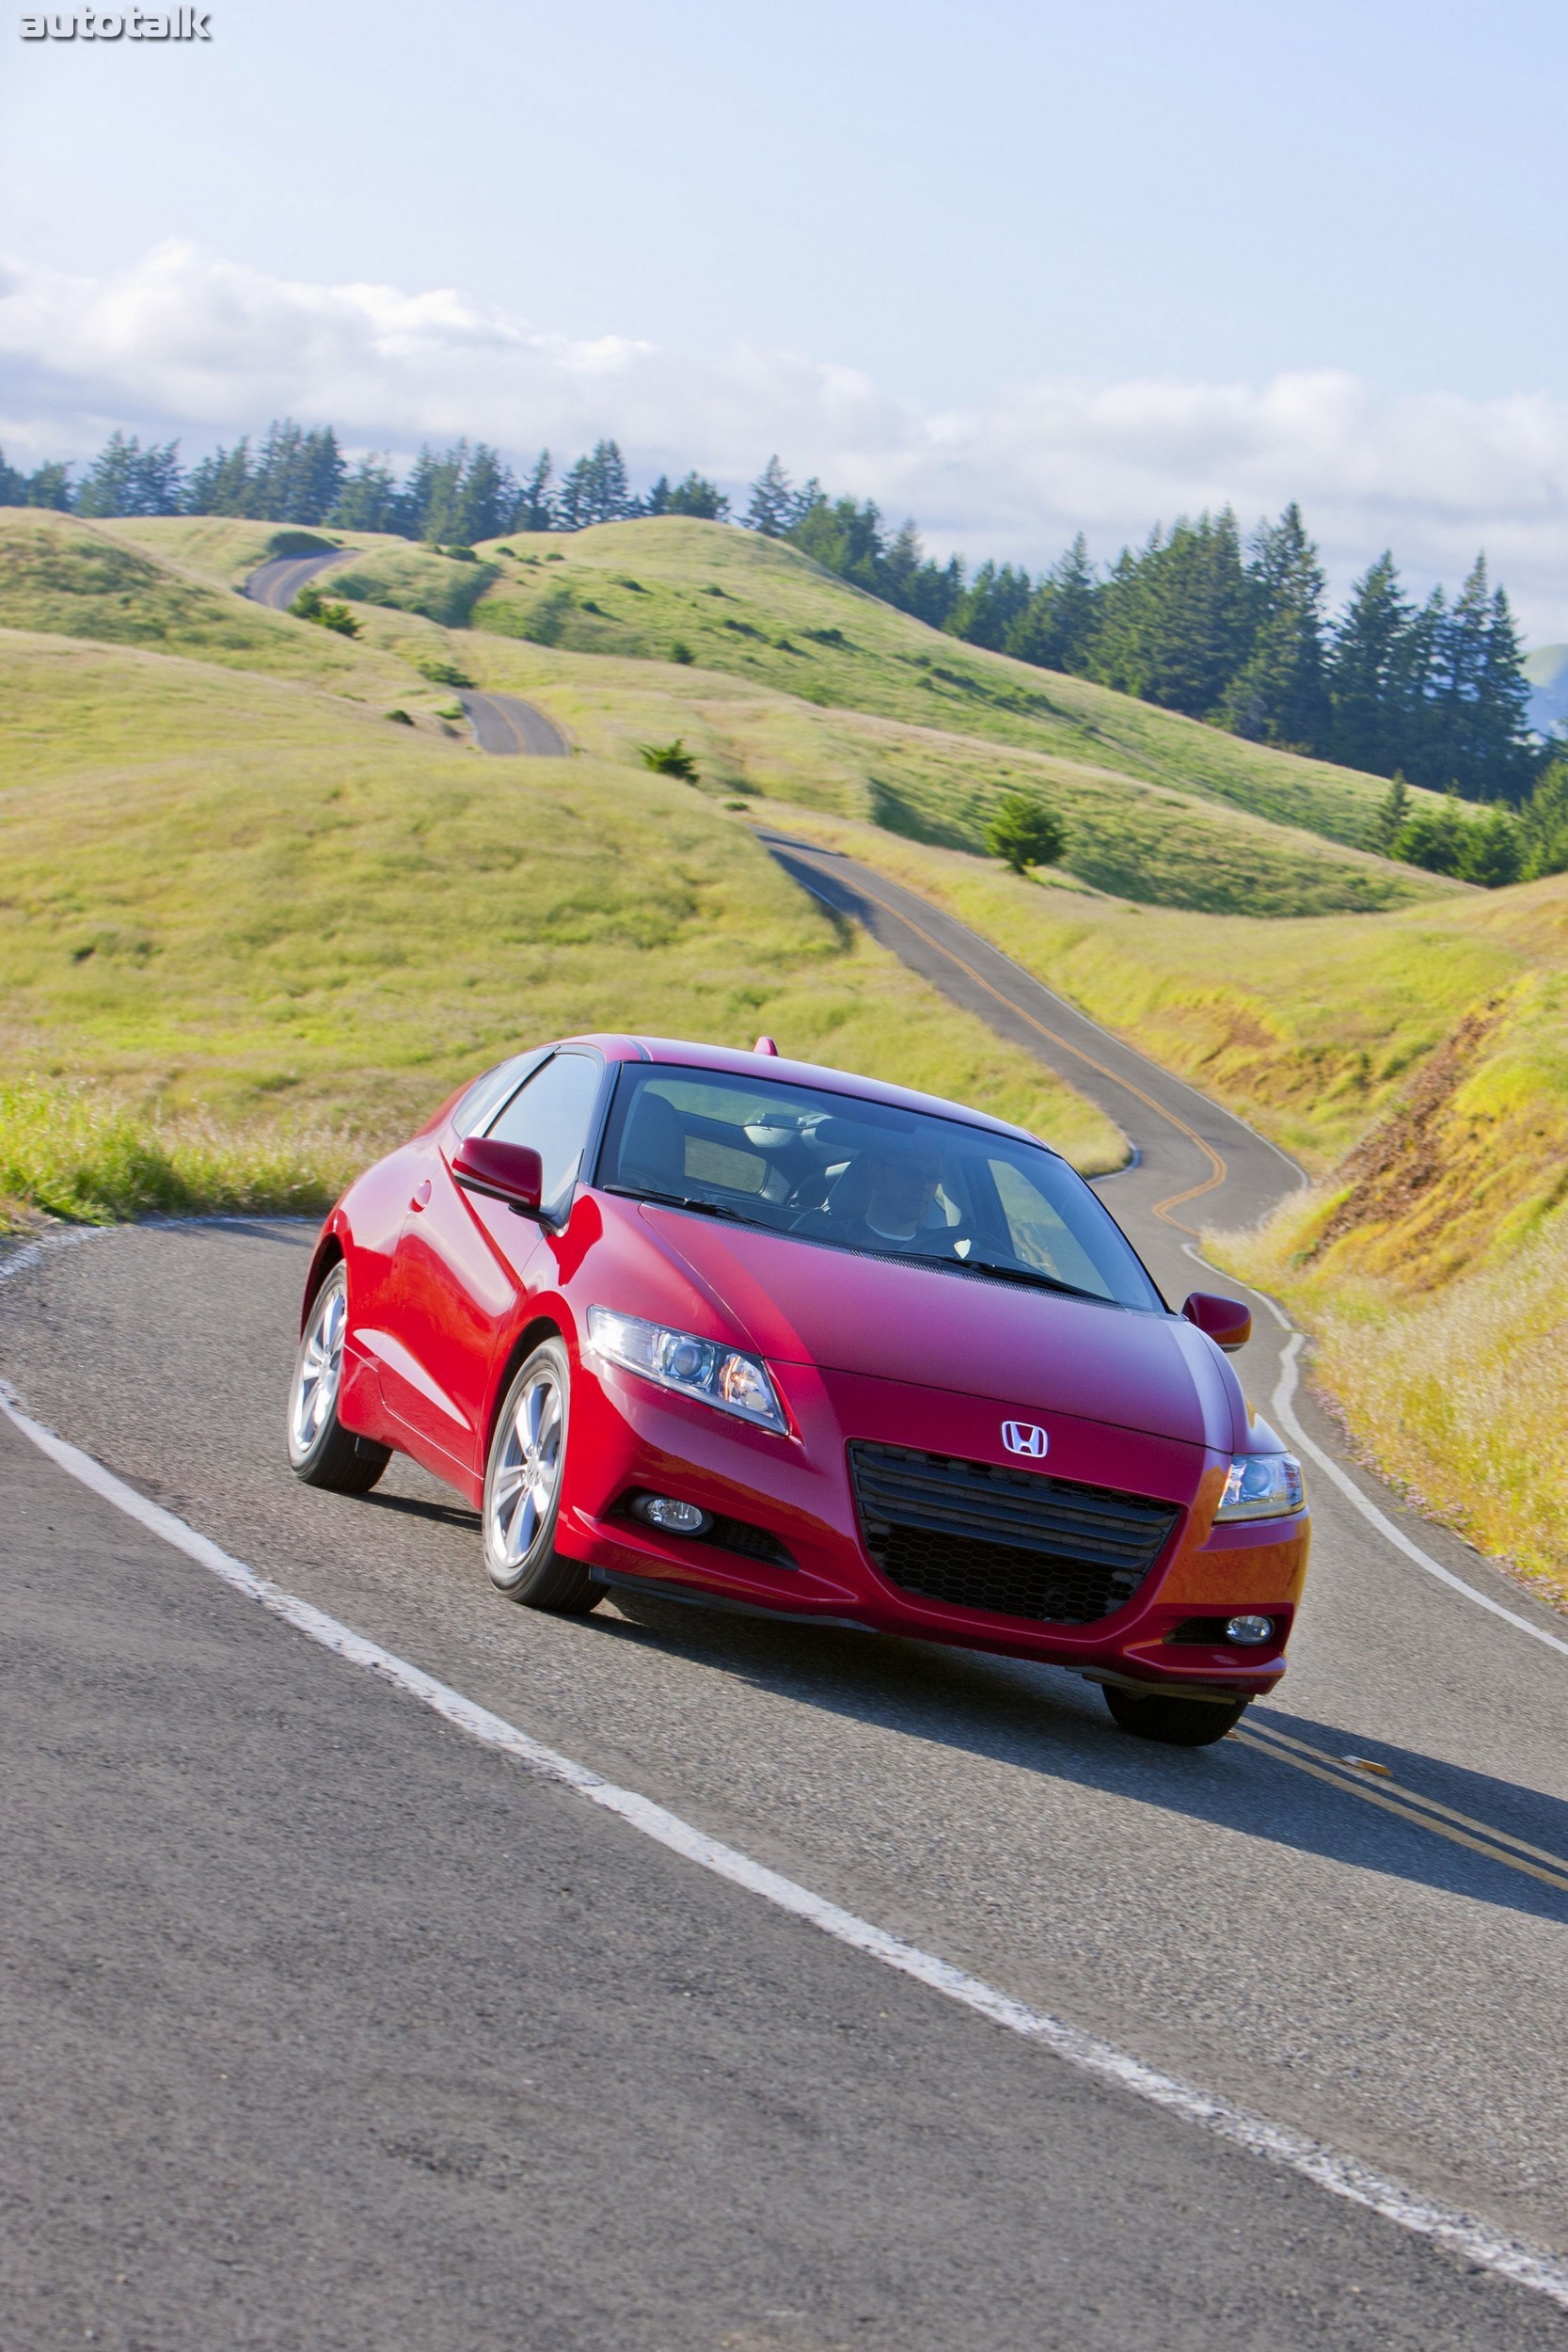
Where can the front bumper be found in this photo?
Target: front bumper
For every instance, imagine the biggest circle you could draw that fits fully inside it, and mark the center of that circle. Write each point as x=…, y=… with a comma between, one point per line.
x=631, y=1437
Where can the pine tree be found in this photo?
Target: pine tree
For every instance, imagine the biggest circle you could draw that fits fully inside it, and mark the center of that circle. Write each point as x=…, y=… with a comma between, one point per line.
x=126, y=479
x=1544, y=824
x=485, y=498
x=595, y=491
x=698, y=497
x=14, y=486
x=772, y=507
x=221, y=484
x=990, y=607
x=1278, y=696
x=1368, y=681
x=841, y=536
x=1393, y=813
x=368, y=500
x=1025, y=833
x=535, y=507
x=1174, y=623
x=1493, y=855
x=1056, y=629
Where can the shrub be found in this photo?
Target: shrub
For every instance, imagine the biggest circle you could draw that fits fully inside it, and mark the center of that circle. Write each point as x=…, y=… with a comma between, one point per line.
x=311, y=605
x=400, y=718
x=681, y=652
x=669, y=759
x=1493, y=853
x=440, y=673
x=1025, y=833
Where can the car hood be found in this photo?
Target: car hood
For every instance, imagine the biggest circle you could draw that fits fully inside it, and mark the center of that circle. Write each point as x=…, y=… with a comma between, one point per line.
x=1034, y=1351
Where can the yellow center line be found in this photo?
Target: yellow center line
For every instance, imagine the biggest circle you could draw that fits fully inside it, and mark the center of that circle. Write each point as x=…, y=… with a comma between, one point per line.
x=1173, y=1200
x=1411, y=1796
x=1491, y=1843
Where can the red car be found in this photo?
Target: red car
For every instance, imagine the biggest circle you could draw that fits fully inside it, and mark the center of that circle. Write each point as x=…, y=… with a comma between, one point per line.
x=716, y=1326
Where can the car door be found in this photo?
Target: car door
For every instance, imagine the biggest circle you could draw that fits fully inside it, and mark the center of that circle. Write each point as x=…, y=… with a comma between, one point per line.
x=463, y=1262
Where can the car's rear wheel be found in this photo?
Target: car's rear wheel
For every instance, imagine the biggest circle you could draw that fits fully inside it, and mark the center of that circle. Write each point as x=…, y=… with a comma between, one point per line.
x=523, y=1480
x=1177, y=1722
x=320, y=1451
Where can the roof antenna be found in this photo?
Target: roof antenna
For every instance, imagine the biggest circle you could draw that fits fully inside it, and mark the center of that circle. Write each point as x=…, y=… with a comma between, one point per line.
x=766, y=1045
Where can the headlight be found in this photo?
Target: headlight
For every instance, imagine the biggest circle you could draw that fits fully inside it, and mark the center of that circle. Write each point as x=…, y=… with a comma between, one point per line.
x=696, y=1367
x=1262, y=1486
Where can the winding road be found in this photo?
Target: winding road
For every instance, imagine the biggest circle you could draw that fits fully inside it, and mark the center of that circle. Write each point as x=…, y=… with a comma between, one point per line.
x=503, y=724
x=277, y=584
x=332, y=2021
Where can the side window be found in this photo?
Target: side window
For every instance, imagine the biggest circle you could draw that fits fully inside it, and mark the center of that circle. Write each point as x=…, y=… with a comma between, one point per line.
x=553, y=1113
x=477, y=1105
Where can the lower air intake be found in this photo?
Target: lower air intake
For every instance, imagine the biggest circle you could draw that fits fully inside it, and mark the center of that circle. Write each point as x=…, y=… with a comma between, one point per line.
x=1010, y=1543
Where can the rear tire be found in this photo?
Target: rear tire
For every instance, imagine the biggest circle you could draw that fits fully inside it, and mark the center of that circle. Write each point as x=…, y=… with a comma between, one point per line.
x=1174, y=1723
x=320, y=1451
x=524, y=1478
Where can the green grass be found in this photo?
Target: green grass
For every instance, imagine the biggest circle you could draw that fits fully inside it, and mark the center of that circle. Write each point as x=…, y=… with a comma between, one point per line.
x=229, y=904
x=779, y=619
x=1137, y=839
x=825, y=697
x=82, y=579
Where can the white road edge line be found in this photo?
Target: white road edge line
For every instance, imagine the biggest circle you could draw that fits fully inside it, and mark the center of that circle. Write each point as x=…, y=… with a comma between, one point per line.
x=1281, y=1405
x=1458, y=2233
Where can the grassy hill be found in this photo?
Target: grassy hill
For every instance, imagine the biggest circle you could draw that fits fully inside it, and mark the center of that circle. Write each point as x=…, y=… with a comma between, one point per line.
x=248, y=933
x=763, y=612
x=1158, y=806
x=1418, y=1062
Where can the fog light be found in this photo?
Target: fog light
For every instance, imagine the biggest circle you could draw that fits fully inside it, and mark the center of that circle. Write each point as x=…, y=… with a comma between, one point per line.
x=685, y=1519
x=1246, y=1632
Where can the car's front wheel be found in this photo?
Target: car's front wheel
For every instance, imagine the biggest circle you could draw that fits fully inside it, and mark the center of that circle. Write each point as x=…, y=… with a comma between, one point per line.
x=321, y=1450
x=523, y=1479
x=1177, y=1722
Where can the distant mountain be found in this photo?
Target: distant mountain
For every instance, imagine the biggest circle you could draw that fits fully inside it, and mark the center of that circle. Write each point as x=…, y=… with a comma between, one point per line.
x=1546, y=669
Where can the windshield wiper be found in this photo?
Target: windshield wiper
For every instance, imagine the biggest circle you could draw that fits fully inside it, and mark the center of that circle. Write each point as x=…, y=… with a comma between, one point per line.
x=678, y=1201
x=1030, y=1274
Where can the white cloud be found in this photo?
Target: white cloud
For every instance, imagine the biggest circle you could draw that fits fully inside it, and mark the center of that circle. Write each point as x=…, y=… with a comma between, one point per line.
x=184, y=341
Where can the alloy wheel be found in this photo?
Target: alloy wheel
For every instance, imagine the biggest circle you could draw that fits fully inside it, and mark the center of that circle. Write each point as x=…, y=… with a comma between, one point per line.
x=523, y=1488
x=320, y=1369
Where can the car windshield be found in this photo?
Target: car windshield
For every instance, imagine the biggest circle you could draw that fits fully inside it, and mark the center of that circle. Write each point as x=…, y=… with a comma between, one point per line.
x=857, y=1175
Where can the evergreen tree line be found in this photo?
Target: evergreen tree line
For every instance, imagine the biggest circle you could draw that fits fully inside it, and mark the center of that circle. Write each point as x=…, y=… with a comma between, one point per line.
x=449, y=496
x=1235, y=632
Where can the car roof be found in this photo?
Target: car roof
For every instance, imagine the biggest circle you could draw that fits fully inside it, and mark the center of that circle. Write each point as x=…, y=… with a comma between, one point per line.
x=684, y=1054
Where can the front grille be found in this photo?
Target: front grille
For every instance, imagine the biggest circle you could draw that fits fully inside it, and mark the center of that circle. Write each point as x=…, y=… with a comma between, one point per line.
x=1010, y=1542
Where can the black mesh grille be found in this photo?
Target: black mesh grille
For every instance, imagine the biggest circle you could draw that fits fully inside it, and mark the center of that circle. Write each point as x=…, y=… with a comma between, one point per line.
x=1013, y=1542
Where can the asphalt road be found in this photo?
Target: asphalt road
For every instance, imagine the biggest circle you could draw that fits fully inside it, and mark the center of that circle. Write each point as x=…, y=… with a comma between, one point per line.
x=503, y=724
x=506, y=724
x=277, y=584
x=323, y=2027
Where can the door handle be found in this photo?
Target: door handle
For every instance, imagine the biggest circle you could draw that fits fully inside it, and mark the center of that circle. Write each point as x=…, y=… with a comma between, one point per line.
x=421, y=1197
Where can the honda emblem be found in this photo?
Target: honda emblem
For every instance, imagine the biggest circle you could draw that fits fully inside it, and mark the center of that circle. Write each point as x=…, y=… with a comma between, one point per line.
x=1025, y=1436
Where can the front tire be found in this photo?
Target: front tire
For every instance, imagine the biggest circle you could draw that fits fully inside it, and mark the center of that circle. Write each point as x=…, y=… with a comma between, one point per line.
x=320, y=1451
x=523, y=1480
x=1174, y=1723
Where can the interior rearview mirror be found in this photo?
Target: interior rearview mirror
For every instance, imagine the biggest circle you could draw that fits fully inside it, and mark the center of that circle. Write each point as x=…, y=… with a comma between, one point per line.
x=1228, y=1323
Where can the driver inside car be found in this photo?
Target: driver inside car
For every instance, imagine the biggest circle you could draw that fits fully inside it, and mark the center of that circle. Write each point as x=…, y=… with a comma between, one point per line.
x=886, y=1200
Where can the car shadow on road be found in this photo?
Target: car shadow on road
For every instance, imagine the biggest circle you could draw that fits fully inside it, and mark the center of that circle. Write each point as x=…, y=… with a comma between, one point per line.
x=1045, y=1722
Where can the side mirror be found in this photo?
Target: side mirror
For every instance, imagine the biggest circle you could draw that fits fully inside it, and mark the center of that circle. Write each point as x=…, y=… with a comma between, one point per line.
x=506, y=1172
x=1228, y=1323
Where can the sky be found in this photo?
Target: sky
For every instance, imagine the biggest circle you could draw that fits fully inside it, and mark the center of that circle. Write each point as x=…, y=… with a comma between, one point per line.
x=1019, y=270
